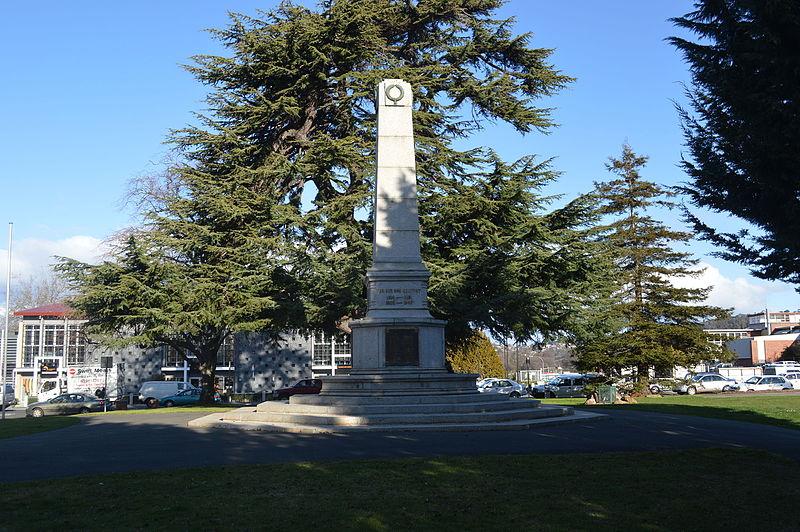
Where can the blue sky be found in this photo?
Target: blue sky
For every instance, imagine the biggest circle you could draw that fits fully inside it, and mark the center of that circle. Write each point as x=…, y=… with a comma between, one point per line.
x=92, y=88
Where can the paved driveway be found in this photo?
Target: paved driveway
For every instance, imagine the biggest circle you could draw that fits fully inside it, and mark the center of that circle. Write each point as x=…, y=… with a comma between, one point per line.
x=162, y=440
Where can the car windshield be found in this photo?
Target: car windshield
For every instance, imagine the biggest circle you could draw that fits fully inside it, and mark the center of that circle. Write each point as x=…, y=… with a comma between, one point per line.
x=753, y=380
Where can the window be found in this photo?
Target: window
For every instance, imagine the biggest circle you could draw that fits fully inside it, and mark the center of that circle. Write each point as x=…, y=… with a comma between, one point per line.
x=31, y=338
x=343, y=351
x=173, y=358
x=225, y=353
x=53, y=340
x=322, y=349
x=75, y=345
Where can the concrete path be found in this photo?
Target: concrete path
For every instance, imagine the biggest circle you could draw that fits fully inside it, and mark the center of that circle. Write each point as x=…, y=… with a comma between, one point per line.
x=101, y=444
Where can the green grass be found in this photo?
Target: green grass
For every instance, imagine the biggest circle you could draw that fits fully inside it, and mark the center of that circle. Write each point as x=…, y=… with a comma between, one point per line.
x=11, y=428
x=778, y=410
x=712, y=489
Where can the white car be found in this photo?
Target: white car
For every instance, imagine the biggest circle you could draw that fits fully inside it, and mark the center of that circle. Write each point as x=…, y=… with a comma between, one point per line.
x=794, y=378
x=506, y=386
x=707, y=382
x=766, y=382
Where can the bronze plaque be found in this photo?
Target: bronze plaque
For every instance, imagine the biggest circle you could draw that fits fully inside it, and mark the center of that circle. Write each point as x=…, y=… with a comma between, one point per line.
x=402, y=347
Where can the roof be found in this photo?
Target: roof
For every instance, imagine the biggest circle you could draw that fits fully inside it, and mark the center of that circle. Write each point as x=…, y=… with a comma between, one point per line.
x=54, y=309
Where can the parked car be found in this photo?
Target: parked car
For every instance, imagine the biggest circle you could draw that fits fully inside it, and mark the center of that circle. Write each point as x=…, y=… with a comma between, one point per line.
x=707, y=382
x=504, y=386
x=659, y=386
x=186, y=397
x=8, y=397
x=565, y=385
x=304, y=386
x=794, y=378
x=760, y=383
x=151, y=392
x=66, y=403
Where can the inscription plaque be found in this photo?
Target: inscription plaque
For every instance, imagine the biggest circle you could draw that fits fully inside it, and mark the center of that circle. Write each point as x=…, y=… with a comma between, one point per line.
x=402, y=347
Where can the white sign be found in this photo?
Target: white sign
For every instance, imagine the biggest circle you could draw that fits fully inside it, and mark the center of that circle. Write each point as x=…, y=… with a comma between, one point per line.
x=87, y=379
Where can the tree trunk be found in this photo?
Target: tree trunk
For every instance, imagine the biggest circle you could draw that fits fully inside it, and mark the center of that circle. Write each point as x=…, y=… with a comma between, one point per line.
x=208, y=369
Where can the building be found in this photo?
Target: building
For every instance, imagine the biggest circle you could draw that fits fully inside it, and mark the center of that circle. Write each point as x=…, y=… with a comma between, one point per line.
x=758, y=350
x=721, y=337
x=767, y=335
x=54, y=354
x=768, y=323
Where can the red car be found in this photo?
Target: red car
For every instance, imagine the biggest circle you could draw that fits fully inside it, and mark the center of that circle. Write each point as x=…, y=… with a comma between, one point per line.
x=301, y=386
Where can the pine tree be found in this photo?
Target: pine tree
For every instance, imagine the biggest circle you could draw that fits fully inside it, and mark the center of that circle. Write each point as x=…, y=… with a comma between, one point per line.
x=743, y=128
x=658, y=324
x=264, y=220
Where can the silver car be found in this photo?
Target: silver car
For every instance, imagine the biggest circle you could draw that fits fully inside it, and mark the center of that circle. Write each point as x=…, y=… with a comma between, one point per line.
x=760, y=383
x=566, y=385
x=707, y=382
x=66, y=403
x=505, y=386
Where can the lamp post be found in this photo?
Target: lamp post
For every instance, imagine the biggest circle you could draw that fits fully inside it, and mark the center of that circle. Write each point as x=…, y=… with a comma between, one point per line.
x=3, y=358
x=528, y=373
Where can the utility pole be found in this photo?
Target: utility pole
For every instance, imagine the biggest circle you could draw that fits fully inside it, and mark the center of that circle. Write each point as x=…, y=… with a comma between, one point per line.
x=4, y=352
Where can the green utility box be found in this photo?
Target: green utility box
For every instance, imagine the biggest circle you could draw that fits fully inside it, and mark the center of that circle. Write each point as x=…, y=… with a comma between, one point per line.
x=606, y=394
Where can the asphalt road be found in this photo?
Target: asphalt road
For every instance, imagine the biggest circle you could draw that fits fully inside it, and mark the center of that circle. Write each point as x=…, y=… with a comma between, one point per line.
x=102, y=444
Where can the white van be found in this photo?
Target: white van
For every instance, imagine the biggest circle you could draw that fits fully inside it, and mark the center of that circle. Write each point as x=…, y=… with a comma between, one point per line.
x=152, y=392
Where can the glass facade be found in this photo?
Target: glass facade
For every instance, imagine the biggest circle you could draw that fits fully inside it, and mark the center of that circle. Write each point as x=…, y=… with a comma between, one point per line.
x=173, y=359
x=331, y=350
x=48, y=339
x=225, y=353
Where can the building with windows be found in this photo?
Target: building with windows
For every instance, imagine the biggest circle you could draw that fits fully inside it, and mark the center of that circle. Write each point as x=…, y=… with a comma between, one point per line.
x=767, y=323
x=721, y=337
x=55, y=355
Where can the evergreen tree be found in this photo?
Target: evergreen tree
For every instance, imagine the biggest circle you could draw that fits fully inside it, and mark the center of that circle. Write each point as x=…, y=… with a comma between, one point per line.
x=263, y=223
x=743, y=128
x=658, y=324
x=475, y=354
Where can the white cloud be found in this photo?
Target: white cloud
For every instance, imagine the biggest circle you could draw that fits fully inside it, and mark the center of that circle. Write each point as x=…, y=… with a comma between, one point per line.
x=743, y=294
x=31, y=256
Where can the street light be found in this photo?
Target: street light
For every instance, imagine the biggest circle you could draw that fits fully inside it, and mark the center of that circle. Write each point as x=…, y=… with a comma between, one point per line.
x=528, y=371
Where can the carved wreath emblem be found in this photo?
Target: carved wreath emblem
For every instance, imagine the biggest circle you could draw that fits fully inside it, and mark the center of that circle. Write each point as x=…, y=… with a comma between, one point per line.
x=394, y=93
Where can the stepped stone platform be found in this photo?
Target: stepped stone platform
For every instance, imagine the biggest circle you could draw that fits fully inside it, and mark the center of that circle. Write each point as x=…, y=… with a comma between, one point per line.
x=337, y=414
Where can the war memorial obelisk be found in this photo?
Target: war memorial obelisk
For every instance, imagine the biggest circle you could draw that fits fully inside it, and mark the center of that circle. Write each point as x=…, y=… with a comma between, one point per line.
x=398, y=348
x=398, y=381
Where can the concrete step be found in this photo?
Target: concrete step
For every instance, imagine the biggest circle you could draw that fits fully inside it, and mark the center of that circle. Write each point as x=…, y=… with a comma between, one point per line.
x=217, y=421
x=410, y=416
x=389, y=407
x=399, y=399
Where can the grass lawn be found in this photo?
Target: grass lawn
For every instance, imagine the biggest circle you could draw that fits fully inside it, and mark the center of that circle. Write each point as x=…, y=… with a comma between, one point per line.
x=10, y=428
x=711, y=489
x=778, y=410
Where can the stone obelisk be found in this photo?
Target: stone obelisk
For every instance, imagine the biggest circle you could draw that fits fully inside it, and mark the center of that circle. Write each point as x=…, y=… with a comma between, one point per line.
x=398, y=332
x=398, y=347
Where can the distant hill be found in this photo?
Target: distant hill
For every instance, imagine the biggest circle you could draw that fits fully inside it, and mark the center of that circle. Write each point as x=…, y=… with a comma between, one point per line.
x=736, y=322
